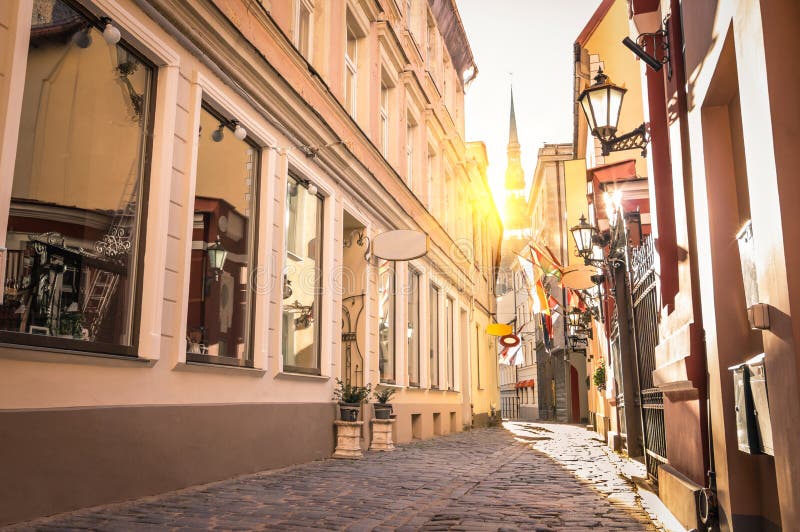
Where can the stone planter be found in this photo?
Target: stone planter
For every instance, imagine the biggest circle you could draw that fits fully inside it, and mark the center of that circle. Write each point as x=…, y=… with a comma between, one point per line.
x=382, y=410
x=382, y=435
x=349, y=411
x=348, y=439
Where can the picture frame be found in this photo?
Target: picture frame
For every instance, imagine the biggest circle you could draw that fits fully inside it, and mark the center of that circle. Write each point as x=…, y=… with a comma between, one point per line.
x=41, y=331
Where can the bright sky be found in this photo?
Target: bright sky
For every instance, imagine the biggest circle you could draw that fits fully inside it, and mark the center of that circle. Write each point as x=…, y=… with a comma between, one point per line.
x=533, y=40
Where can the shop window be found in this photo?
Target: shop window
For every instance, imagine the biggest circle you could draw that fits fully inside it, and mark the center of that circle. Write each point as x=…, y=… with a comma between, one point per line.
x=433, y=337
x=74, y=232
x=217, y=319
x=413, y=327
x=302, y=279
x=449, y=309
x=386, y=321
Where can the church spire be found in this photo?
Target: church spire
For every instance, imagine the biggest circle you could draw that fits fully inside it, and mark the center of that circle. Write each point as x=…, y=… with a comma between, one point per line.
x=512, y=128
x=515, y=177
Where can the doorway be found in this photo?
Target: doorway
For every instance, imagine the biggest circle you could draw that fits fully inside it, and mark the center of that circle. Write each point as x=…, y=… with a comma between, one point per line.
x=352, y=283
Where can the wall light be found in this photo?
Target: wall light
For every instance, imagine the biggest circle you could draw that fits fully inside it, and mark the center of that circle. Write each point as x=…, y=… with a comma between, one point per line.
x=82, y=38
x=111, y=33
x=602, y=103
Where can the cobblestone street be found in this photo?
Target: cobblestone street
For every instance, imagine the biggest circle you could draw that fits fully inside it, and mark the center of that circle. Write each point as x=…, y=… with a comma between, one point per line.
x=489, y=479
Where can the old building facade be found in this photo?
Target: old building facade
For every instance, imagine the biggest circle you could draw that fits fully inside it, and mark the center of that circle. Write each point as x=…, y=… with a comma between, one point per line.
x=188, y=195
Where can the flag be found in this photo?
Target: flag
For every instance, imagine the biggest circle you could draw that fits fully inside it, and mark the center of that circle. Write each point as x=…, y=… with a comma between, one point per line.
x=573, y=301
x=548, y=333
x=502, y=355
x=515, y=357
x=544, y=264
x=542, y=297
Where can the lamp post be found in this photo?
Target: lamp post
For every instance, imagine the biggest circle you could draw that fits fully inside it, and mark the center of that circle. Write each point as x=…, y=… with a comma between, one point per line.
x=601, y=103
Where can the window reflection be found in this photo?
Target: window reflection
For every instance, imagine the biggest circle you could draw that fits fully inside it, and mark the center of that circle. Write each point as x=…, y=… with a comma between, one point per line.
x=433, y=337
x=217, y=323
x=413, y=327
x=449, y=309
x=386, y=320
x=302, y=280
x=77, y=190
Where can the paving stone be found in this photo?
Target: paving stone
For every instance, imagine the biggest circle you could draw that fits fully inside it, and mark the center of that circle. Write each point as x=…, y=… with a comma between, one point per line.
x=489, y=479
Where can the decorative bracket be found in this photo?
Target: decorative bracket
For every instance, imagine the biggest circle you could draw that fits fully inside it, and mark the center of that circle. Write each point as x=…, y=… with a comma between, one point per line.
x=638, y=138
x=663, y=35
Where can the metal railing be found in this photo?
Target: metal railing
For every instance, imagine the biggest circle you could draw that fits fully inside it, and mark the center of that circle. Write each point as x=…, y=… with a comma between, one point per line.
x=645, y=312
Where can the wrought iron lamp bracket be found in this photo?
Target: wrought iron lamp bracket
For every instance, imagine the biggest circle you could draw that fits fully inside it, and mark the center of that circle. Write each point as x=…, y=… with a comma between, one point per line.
x=639, y=138
x=663, y=43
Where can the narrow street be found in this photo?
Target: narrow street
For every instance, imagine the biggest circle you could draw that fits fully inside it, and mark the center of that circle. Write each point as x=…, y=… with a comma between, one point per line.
x=524, y=477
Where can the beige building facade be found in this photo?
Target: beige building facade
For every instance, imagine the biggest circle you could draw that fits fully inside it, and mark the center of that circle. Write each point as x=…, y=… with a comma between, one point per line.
x=188, y=192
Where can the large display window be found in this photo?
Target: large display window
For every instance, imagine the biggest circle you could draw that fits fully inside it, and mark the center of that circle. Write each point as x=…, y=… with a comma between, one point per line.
x=75, y=229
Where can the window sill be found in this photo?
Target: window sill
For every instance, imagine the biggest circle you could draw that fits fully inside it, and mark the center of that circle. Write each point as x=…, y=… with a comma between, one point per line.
x=208, y=367
x=288, y=375
x=391, y=385
x=31, y=353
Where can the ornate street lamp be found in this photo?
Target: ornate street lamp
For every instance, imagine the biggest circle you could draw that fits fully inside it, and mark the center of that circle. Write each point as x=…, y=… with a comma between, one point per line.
x=601, y=103
x=575, y=318
x=583, y=233
x=216, y=257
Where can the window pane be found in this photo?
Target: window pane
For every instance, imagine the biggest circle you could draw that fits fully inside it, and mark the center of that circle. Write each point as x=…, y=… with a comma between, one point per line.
x=386, y=321
x=76, y=195
x=304, y=24
x=217, y=321
x=448, y=311
x=413, y=328
x=433, y=336
x=302, y=279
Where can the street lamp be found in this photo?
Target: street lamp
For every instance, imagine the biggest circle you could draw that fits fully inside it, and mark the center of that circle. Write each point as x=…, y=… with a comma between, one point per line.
x=216, y=257
x=601, y=103
x=575, y=318
x=583, y=234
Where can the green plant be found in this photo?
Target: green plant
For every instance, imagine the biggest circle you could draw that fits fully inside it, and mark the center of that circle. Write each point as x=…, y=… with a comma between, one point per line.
x=382, y=395
x=348, y=393
x=599, y=376
x=70, y=323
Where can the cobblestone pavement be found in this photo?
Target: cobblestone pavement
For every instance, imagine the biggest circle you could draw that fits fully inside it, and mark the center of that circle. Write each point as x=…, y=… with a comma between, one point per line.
x=488, y=479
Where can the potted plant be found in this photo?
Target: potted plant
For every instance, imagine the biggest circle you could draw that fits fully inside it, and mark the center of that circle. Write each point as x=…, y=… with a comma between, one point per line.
x=382, y=408
x=599, y=377
x=350, y=398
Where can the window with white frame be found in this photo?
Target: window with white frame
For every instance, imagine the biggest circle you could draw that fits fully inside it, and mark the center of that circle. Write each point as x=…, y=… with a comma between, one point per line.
x=478, y=356
x=449, y=311
x=78, y=191
x=411, y=134
x=430, y=44
x=431, y=168
x=384, y=119
x=386, y=321
x=217, y=316
x=433, y=337
x=304, y=20
x=351, y=71
x=414, y=320
x=302, y=278
x=448, y=194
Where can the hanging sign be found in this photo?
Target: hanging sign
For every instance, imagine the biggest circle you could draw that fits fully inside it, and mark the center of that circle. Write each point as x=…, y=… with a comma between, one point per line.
x=400, y=244
x=510, y=340
x=499, y=329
